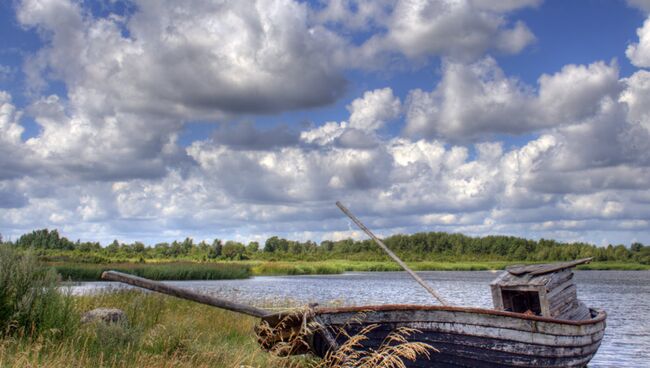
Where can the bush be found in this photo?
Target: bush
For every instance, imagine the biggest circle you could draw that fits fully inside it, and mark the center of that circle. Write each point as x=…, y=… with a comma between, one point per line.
x=30, y=300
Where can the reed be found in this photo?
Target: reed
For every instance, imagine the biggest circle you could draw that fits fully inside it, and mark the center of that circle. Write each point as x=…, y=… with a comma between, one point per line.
x=340, y=266
x=30, y=302
x=285, y=340
x=161, y=332
x=157, y=271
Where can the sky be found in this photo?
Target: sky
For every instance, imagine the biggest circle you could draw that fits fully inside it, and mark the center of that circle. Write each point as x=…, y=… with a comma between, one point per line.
x=157, y=120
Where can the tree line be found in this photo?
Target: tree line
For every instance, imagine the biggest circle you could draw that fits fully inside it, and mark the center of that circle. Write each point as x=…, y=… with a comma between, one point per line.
x=426, y=246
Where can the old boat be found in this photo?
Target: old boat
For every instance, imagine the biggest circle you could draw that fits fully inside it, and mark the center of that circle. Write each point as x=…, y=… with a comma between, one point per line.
x=537, y=321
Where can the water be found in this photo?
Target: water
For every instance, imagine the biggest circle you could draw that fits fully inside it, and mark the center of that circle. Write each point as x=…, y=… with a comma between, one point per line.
x=625, y=295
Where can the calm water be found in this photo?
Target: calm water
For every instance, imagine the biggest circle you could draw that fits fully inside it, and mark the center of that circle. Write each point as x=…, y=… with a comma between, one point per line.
x=625, y=295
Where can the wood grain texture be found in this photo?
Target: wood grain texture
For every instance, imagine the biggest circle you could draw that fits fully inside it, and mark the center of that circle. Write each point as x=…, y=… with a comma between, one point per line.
x=468, y=338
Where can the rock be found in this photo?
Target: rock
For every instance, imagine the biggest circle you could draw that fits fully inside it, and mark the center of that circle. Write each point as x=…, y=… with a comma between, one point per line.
x=106, y=315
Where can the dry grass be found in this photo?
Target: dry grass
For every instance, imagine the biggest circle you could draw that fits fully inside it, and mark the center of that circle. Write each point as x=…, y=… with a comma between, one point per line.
x=288, y=337
x=166, y=332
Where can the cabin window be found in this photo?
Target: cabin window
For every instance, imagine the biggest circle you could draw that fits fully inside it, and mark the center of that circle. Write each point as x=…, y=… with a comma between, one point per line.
x=521, y=301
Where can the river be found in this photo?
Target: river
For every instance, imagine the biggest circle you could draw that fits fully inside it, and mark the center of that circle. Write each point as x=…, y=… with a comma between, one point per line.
x=625, y=295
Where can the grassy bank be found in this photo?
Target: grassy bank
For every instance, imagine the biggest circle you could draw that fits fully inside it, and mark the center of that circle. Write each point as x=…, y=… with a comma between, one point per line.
x=162, y=332
x=245, y=269
x=156, y=271
x=340, y=266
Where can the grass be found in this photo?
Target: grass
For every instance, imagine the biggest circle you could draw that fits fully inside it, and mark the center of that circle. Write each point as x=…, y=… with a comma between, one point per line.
x=244, y=269
x=340, y=266
x=165, y=332
x=30, y=302
x=161, y=332
x=157, y=271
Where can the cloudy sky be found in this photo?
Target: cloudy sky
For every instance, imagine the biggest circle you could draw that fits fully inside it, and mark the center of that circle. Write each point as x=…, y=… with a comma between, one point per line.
x=155, y=120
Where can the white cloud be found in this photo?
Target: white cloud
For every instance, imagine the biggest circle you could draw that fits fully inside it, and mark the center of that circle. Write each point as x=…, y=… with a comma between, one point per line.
x=458, y=29
x=477, y=99
x=639, y=53
x=106, y=162
x=373, y=110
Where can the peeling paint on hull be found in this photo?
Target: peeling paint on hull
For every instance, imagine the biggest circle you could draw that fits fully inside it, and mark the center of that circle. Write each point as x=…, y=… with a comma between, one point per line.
x=472, y=337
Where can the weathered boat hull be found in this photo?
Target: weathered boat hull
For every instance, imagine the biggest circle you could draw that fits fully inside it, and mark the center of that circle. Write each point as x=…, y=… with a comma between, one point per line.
x=470, y=337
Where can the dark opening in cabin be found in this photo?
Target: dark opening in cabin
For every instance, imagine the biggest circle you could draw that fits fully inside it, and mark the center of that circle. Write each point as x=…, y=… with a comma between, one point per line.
x=521, y=301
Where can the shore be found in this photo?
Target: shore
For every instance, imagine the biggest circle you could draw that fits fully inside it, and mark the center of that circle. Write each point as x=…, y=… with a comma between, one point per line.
x=161, y=332
x=245, y=269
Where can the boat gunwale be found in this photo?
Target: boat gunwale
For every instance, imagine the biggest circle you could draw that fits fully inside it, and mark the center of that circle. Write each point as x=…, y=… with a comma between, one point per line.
x=600, y=317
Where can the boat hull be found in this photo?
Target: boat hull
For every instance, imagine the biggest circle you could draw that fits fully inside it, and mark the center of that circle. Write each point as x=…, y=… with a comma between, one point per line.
x=469, y=337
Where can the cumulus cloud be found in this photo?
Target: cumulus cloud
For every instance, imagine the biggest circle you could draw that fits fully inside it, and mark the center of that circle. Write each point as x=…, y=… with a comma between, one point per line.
x=106, y=162
x=375, y=109
x=458, y=29
x=477, y=99
x=639, y=53
x=13, y=154
x=178, y=54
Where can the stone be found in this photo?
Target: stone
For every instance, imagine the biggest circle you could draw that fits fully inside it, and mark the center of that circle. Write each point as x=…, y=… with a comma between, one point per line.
x=106, y=315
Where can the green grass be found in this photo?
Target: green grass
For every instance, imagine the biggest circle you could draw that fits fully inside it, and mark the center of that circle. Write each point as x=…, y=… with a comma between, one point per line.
x=156, y=271
x=340, y=266
x=244, y=269
x=161, y=332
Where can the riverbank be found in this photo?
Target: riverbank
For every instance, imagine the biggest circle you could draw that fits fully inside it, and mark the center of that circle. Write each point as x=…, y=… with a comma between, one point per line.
x=161, y=332
x=245, y=269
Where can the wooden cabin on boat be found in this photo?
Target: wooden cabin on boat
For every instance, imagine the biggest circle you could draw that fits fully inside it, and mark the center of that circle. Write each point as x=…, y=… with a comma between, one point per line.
x=545, y=290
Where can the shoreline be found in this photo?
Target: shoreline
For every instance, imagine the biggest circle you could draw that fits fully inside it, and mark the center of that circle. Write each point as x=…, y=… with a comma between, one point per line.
x=245, y=269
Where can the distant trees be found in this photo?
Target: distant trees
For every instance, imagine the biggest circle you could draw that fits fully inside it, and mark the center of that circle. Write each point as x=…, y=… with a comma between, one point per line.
x=215, y=249
x=437, y=246
x=253, y=247
x=233, y=250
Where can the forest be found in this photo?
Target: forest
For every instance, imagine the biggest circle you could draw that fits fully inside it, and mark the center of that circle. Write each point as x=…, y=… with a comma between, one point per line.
x=50, y=246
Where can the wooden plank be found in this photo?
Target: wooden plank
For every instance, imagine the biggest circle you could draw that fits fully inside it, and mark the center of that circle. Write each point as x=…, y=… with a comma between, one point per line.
x=184, y=293
x=552, y=292
x=485, y=317
x=544, y=303
x=567, y=295
x=559, y=278
x=521, y=326
x=497, y=297
x=498, y=345
x=545, y=268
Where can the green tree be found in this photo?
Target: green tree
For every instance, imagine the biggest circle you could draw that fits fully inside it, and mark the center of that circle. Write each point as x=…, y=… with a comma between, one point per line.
x=253, y=247
x=215, y=249
x=233, y=250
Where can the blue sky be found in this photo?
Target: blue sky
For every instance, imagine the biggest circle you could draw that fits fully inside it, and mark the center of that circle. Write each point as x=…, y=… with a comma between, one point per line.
x=149, y=121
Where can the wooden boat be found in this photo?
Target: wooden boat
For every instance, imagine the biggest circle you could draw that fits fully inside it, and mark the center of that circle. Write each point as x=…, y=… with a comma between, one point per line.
x=526, y=335
x=537, y=321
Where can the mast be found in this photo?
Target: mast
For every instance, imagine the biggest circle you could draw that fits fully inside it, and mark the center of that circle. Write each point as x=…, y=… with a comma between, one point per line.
x=391, y=254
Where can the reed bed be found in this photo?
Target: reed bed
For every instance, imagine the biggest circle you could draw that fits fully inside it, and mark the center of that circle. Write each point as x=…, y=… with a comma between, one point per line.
x=157, y=271
x=340, y=266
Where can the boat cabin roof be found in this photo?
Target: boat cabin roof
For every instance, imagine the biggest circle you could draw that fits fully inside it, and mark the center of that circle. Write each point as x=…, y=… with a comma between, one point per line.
x=535, y=275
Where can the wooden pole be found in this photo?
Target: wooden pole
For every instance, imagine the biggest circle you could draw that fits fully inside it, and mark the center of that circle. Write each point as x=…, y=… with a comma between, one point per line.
x=392, y=255
x=184, y=293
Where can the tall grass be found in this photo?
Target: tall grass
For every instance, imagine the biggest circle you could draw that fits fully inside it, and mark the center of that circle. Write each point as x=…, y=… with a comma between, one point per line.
x=161, y=332
x=158, y=271
x=340, y=266
x=30, y=302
